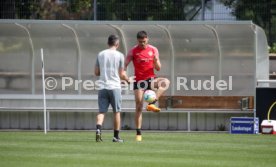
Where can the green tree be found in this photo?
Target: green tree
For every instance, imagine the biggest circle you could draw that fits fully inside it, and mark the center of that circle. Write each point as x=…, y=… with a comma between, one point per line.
x=83, y=8
x=148, y=10
x=261, y=12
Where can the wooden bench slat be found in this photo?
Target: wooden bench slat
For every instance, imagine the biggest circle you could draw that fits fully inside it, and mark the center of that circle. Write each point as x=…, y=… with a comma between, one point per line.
x=205, y=102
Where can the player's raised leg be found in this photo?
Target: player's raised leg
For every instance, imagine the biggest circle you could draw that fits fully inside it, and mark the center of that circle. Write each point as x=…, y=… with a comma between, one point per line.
x=159, y=85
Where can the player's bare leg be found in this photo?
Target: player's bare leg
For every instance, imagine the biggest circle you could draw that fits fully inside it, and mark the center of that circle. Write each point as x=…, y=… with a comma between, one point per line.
x=100, y=119
x=138, y=113
x=117, y=120
x=159, y=85
x=117, y=125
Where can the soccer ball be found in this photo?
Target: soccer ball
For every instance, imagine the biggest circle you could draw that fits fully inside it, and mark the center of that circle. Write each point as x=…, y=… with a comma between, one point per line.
x=149, y=96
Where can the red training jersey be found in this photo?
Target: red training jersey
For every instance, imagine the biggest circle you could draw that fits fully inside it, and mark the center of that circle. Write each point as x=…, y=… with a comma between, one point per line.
x=143, y=61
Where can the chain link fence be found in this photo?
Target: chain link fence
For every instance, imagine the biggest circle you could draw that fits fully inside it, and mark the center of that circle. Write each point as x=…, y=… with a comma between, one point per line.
x=115, y=10
x=261, y=12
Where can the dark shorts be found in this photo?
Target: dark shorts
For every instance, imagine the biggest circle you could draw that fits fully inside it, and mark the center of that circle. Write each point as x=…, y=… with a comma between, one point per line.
x=143, y=84
x=107, y=97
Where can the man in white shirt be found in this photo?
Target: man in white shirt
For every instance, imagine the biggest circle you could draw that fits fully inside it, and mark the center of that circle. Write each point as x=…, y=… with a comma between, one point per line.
x=110, y=69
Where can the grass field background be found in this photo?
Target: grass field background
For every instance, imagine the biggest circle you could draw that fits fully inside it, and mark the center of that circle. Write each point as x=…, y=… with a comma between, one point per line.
x=158, y=149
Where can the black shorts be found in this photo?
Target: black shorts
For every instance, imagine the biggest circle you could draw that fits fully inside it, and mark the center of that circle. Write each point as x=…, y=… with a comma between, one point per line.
x=143, y=84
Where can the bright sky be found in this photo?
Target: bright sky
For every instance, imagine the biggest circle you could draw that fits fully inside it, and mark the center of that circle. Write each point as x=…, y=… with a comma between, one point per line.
x=220, y=12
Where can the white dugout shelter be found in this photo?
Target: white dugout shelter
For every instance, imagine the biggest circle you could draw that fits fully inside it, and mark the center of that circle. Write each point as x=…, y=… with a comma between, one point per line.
x=190, y=53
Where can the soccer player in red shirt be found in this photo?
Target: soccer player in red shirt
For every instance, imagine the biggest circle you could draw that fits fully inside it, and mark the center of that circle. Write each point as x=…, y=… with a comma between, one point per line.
x=145, y=58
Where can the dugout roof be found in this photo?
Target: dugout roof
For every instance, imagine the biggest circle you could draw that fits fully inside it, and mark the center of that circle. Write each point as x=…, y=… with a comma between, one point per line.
x=192, y=50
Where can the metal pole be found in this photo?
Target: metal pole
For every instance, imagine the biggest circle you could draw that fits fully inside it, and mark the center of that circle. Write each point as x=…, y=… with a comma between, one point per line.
x=202, y=9
x=188, y=121
x=95, y=9
x=172, y=58
x=44, y=95
x=213, y=29
x=78, y=56
x=213, y=9
x=32, y=62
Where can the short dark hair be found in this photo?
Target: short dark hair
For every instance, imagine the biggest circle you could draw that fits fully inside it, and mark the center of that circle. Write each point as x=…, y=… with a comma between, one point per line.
x=142, y=34
x=112, y=40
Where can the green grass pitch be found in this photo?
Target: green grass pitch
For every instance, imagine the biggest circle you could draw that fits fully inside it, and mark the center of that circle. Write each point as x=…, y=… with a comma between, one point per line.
x=158, y=149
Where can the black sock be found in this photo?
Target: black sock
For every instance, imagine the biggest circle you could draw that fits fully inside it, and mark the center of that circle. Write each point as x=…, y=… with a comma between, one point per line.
x=99, y=127
x=138, y=132
x=116, y=134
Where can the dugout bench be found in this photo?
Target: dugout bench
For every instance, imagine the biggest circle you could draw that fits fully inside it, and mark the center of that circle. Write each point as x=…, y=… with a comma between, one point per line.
x=172, y=106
